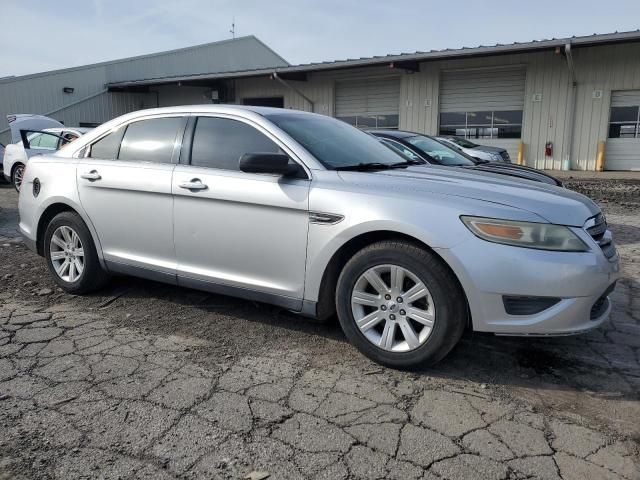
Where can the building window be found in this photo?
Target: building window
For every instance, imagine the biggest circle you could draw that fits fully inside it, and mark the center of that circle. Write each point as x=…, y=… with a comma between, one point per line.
x=482, y=124
x=372, y=121
x=624, y=122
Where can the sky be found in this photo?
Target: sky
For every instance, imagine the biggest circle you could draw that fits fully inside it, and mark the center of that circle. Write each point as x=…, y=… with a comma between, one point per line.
x=43, y=35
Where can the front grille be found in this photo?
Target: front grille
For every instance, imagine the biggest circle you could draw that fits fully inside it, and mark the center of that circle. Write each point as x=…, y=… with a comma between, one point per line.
x=598, y=232
x=519, y=305
x=505, y=156
x=601, y=305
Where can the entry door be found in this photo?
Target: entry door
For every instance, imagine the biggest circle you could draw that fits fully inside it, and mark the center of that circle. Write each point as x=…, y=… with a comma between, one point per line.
x=235, y=229
x=125, y=188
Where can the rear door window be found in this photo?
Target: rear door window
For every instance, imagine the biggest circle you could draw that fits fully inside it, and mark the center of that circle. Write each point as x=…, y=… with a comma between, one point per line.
x=220, y=142
x=150, y=140
x=43, y=141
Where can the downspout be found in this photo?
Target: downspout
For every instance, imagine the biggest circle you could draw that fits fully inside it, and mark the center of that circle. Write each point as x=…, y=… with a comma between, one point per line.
x=275, y=76
x=572, y=99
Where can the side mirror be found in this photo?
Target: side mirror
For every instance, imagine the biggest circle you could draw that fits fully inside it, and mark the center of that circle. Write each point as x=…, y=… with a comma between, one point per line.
x=272, y=163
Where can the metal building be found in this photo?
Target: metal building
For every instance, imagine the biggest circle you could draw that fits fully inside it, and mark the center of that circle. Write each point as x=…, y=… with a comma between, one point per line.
x=80, y=96
x=571, y=103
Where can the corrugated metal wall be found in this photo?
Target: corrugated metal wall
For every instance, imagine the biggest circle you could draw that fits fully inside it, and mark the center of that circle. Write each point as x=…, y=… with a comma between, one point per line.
x=547, y=107
x=604, y=68
x=43, y=94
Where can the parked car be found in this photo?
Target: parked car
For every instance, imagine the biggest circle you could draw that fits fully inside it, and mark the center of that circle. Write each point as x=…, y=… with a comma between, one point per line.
x=33, y=135
x=481, y=152
x=1, y=163
x=306, y=212
x=434, y=151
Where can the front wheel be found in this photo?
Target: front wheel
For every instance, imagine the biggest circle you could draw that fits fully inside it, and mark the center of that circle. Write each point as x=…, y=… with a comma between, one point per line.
x=16, y=176
x=400, y=305
x=71, y=255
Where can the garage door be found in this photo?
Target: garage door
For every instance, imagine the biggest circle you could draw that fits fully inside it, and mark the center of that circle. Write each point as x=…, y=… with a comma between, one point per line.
x=484, y=105
x=623, y=144
x=369, y=103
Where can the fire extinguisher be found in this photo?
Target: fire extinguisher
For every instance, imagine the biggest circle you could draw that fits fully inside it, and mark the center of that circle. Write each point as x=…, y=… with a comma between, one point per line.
x=548, y=149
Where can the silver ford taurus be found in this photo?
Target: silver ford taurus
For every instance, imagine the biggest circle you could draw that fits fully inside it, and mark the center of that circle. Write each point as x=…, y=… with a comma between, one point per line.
x=308, y=213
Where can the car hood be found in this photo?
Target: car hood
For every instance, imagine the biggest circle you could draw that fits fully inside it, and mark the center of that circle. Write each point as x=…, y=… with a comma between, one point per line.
x=485, y=148
x=554, y=204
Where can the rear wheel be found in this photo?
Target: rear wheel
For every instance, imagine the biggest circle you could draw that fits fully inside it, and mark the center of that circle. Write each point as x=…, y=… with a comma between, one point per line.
x=400, y=305
x=16, y=176
x=71, y=255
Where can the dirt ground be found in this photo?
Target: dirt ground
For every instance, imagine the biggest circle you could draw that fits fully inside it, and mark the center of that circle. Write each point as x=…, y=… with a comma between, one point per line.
x=144, y=380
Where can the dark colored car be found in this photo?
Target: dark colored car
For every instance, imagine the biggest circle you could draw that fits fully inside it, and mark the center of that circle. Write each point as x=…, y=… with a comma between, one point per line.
x=417, y=146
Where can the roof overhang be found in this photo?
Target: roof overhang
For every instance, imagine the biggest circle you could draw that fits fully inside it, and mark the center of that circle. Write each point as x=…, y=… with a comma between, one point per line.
x=406, y=61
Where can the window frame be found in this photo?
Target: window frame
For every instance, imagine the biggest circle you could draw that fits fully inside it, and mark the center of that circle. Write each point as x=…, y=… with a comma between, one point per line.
x=371, y=115
x=85, y=151
x=637, y=123
x=492, y=127
x=187, y=144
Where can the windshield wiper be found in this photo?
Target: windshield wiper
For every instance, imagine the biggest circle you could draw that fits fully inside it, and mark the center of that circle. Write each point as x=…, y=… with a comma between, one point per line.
x=408, y=163
x=364, y=167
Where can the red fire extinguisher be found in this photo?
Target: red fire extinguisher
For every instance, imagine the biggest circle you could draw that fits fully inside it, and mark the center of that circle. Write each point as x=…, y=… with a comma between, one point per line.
x=548, y=149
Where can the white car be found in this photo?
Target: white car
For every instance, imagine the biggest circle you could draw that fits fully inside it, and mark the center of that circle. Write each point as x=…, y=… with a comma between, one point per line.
x=1, y=156
x=41, y=135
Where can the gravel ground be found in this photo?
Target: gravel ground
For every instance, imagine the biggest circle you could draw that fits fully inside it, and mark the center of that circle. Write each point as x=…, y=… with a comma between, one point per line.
x=144, y=380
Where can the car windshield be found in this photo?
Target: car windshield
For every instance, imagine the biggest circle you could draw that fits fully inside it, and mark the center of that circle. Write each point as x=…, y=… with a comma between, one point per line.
x=439, y=151
x=334, y=143
x=463, y=142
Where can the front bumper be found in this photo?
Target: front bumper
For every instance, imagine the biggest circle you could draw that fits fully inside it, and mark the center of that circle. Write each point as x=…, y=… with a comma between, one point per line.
x=29, y=242
x=489, y=271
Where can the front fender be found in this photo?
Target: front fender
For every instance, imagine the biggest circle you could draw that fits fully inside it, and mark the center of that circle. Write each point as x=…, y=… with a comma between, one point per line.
x=433, y=220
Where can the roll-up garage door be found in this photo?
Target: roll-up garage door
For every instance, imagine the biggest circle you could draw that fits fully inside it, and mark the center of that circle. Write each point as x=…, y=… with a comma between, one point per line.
x=623, y=144
x=369, y=103
x=482, y=90
x=484, y=105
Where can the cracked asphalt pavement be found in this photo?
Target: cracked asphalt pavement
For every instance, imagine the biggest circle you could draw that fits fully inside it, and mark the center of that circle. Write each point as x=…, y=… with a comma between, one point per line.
x=144, y=380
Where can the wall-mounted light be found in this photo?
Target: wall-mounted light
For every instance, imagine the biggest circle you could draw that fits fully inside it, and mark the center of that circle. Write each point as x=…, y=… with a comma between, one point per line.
x=68, y=89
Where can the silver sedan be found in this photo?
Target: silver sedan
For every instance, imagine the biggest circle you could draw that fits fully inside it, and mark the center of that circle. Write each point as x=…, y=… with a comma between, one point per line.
x=308, y=213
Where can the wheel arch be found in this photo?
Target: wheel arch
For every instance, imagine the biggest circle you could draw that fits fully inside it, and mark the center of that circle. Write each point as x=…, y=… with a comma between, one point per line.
x=326, y=295
x=53, y=209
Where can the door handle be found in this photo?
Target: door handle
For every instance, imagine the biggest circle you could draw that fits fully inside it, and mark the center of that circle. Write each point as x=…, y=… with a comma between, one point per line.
x=92, y=176
x=194, y=184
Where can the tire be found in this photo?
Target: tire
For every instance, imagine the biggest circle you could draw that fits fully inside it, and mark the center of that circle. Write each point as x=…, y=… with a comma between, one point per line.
x=92, y=277
x=17, y=172
x=444, y=302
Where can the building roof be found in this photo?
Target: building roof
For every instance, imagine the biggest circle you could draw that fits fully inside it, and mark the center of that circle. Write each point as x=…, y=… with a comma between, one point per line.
x=481, y=50
x=246, y=52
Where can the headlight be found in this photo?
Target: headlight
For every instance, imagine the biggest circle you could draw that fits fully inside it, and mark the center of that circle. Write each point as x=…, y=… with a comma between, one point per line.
x=496, y=157
x=544, y=236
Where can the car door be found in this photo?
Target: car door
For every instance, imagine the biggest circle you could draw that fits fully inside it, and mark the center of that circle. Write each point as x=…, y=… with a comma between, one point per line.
x=124, y=183
x=235, y=231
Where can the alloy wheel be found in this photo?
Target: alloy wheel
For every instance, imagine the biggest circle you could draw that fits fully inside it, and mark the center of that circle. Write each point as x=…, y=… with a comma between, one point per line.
x=393, y=308
x=18, y=173
x=67, y=254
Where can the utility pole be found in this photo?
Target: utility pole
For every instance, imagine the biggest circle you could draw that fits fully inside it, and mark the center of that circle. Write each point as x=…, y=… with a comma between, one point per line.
x=233, y=27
